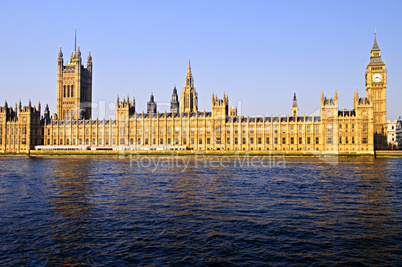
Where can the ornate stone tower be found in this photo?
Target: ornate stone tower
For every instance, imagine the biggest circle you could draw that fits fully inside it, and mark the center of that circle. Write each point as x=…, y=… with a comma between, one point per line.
x=174, y=104
x=376, y=84
x=295, y=109
x=74, y=87
x=151, y=105
x=189, y=98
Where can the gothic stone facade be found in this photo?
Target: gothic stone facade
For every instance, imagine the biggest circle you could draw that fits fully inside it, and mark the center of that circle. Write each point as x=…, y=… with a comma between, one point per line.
x=360, y=130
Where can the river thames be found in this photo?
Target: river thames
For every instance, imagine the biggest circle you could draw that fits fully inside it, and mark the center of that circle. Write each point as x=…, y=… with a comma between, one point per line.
x=200, y=211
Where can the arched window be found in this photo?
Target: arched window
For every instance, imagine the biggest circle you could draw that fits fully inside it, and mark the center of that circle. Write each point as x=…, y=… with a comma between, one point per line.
x=68, y=90
x=72, y=90
x=64, y=91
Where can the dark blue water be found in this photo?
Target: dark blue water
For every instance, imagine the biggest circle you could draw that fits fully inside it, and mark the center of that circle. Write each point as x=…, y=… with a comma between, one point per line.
x=186, y=211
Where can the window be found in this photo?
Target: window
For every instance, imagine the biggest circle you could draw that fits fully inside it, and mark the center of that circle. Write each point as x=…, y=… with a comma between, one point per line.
x=292, y=140
x=177, y=141
x=346, y=140
x=317, y=140
x=161, y=141
x=184, y=141
x=364, y=140
x=329, y=140
x=154, y=141
x=364, y=128
x=244, y=141
x=146, y=141
x=236, y=141
x=353, y=127
x=346, y=127
x=218, y=130
x=236, y=130
x=24, y=141
x=283, y=140
x=259, y=140
x=283, y=129
x=139, y=141
x=121, y=141
x=228, y=130
x=131, y=141
x=267, y=130
x=200, y=141
x=300, y=140
x=275, y=140
x=228, y=141
x=300, y=129
x=340, y=128
x=267, y=140
x=251, y=140
x=292, y=129
x=169, y=141
x=340, y=140
x=329, y=128
x=353, y=140
x=208, y=141
x=218, y=140
x=317, y=129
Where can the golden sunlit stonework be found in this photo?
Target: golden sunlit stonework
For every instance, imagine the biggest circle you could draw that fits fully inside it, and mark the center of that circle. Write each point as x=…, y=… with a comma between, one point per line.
x=360, y=130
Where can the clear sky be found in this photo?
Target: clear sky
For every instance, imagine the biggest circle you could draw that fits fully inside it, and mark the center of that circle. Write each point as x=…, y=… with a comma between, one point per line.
x=259, y=52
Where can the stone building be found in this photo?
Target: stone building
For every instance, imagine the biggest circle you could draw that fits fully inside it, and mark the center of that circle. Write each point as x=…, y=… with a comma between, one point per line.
x=359, y=130
x=394, y=132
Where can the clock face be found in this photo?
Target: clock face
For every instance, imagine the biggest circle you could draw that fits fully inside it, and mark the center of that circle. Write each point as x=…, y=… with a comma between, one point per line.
x=377, y=77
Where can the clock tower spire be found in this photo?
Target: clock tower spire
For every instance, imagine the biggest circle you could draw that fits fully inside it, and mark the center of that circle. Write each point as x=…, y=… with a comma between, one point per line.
x=376, y=84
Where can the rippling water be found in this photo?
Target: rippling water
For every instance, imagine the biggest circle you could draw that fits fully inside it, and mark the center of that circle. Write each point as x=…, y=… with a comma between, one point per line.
x=114, y=211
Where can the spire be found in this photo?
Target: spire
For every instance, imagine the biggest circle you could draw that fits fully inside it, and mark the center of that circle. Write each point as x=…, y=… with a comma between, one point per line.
x=60, y=54
x=89, y=56
x=375, y=45
x=294, y=101
x=189, y=66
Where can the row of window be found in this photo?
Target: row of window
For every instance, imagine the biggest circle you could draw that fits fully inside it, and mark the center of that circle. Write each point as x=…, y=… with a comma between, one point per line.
x=11, y=141
x=346, y=140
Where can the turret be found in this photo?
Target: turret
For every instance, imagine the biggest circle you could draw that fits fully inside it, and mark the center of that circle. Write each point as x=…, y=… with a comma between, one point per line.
x=151, y=105
x=46, y=113
x=295, y=108
x=174, y=103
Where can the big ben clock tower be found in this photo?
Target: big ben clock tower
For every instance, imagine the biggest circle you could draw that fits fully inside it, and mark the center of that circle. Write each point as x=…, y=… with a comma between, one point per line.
x=376, y=84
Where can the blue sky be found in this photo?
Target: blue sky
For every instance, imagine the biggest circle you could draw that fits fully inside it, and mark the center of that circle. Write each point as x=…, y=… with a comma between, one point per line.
x=259, y=52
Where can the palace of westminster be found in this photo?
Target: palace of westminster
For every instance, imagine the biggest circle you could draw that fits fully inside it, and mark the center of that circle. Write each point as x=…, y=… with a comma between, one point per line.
x=360, y=130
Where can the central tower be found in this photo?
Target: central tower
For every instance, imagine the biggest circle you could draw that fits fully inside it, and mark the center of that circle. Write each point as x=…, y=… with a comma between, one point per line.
x=189, y=98
x=376, y=84
x=74, y=87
